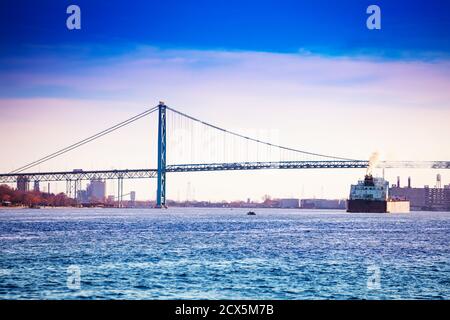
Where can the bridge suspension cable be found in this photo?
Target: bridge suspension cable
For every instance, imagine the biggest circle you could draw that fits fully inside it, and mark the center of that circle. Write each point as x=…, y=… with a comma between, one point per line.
x=257, y=140
x=85, y=141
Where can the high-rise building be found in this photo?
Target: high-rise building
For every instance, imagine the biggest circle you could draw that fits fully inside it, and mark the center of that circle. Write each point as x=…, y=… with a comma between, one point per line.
x=82, y=196
x=23, y=184
x=96, y=191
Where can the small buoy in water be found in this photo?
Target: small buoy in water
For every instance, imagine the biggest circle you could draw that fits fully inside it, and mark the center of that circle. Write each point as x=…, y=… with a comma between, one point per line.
x=251, y=213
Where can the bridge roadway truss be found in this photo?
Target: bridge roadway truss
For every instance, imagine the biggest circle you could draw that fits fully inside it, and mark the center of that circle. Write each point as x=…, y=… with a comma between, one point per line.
x=152, y=173
x=267, y=165
x=415, y=164
x=79, y=175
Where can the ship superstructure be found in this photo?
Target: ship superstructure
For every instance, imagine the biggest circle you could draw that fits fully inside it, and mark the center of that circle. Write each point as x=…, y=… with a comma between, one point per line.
x=372, y=195
x=370, y=189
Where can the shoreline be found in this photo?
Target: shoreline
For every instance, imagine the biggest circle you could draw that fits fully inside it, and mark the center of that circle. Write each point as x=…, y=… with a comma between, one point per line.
x=187, y=207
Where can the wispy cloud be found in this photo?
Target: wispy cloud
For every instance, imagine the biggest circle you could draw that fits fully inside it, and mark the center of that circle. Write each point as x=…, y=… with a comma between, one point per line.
x=338, y=105
x=146, y=70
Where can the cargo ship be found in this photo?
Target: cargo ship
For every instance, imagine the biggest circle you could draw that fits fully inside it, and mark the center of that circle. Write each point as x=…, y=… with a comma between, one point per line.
x=372, y=195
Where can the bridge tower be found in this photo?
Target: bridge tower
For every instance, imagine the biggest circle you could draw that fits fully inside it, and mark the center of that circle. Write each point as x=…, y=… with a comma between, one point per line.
x=161, y=188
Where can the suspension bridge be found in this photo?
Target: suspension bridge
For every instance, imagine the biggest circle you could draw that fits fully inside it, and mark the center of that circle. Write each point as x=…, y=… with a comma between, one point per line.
x=221, y=142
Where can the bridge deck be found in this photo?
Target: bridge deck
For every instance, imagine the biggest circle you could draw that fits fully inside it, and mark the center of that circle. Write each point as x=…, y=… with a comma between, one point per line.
x=79, y=175
x=152, y=173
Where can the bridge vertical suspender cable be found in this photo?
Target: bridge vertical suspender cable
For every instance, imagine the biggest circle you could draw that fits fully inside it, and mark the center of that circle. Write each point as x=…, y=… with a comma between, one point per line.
x=259, y=142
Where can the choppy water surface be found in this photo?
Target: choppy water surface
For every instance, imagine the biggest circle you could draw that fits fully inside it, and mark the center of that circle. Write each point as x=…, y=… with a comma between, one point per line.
x=223, y=254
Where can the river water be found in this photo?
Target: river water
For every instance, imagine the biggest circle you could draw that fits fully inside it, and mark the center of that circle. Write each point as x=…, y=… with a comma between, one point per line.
x=183, y=253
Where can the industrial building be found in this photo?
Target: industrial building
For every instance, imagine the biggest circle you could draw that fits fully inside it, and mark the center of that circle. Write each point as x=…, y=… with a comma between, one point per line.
x=427, y=198
x=292, y=203
x=289, y=203
x=323, y=204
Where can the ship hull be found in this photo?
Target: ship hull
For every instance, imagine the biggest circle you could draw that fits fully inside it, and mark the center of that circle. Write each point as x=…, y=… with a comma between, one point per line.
x=369, y=206
x=377, y=206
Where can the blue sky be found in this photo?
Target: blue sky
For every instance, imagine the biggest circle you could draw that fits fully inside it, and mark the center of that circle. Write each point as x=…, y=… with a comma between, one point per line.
x=330, y=27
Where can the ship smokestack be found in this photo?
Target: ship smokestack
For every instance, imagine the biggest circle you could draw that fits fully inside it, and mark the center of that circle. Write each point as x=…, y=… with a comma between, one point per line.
x=409, y=182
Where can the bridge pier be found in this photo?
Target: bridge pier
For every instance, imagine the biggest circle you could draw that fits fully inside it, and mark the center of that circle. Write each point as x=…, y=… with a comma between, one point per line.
x=161, y=173
x=68, y=189
x=73, y=186
x=119, y=192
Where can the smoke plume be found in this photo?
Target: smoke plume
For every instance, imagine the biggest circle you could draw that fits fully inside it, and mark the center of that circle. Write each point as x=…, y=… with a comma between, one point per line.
x=373, y=161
